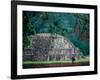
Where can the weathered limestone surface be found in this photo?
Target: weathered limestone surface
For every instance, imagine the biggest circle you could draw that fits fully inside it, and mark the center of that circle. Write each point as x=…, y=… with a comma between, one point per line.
x=45, y=47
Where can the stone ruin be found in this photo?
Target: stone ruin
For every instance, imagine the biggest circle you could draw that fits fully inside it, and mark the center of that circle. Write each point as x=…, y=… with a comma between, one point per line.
x=45, y=47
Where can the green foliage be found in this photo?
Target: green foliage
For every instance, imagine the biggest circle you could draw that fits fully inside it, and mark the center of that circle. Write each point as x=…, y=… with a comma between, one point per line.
x=72, y=25
x=26, y=42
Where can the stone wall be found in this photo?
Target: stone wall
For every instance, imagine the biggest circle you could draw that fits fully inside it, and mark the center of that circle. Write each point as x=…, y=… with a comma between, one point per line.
x=43, y=48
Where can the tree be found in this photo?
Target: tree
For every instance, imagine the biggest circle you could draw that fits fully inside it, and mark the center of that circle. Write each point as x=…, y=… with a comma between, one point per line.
x=74, y=26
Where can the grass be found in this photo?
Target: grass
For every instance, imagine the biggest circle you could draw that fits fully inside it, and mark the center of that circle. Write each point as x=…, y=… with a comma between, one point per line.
x=45, y=62
x=86, y=59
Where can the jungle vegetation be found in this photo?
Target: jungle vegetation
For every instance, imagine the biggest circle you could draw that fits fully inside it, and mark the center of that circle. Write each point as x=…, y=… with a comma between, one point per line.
x=74, y=26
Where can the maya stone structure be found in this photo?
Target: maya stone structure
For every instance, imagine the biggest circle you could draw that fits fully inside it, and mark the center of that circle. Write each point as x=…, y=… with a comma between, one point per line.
x=47, y=47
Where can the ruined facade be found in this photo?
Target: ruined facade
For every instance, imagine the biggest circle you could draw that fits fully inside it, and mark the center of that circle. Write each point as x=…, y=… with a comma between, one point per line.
x=45, y=47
